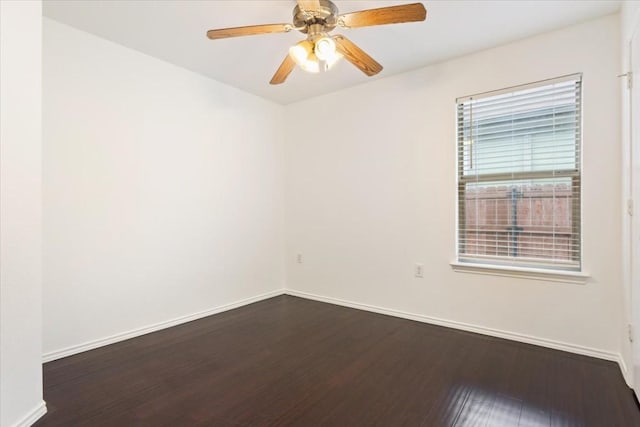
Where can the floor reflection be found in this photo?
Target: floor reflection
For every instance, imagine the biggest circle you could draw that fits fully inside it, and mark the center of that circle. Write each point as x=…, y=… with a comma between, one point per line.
x=471, y=405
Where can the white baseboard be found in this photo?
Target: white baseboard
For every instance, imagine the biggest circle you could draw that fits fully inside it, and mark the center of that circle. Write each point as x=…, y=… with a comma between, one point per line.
x=543, y=342
x=90, y=345
x=626, y=374
x=34, y=415
x=513, y=336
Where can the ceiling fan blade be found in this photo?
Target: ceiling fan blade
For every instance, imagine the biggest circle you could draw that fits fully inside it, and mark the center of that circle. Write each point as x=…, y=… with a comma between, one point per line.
x=384, y=15
x=310, y=5
x=250, y=30
x=283, y=71
x=357, y=56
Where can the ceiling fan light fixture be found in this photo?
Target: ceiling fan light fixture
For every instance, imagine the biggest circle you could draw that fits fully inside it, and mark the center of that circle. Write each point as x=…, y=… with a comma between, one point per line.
x=311, y=65
x=325, y=48
x=302, y=54
x=315, y=56
x=300, y=51
x=327, y=64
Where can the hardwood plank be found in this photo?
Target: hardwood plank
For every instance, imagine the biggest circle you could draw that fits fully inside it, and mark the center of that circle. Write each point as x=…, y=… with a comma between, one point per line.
x=289, y=361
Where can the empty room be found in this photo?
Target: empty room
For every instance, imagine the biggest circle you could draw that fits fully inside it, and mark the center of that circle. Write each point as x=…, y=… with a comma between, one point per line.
x=319, y=213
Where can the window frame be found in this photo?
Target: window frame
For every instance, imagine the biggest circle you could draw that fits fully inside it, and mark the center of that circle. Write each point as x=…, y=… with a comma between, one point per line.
x=507, y=265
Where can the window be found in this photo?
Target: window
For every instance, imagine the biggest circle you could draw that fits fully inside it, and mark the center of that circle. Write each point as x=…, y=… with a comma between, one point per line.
x=519, y=176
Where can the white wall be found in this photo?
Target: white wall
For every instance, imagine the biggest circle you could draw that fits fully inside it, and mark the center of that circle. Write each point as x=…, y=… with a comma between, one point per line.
x=20, y=213
x=371, y=191
x=162, y=191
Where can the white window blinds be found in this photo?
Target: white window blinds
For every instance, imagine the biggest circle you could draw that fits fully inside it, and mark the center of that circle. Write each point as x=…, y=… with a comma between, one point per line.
x=519, y=175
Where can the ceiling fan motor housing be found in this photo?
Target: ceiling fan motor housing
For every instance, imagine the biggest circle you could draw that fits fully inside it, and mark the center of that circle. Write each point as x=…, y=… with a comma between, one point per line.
x=326, y=15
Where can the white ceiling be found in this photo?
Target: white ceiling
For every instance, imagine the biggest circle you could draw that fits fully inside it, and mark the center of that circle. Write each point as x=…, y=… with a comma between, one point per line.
x=175, y=32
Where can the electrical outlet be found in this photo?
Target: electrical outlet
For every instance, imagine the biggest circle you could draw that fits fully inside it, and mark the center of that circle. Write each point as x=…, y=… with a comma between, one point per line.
x=419, y=270
x=299, y=258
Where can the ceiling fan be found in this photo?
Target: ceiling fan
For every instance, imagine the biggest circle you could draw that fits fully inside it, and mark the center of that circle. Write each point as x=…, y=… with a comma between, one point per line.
x=319, y=51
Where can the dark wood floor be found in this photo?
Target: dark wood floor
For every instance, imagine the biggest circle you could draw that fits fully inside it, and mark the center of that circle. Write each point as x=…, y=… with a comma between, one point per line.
x=288, y=361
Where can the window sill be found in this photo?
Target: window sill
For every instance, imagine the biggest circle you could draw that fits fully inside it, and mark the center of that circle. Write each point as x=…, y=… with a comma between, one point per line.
x=547, y=275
